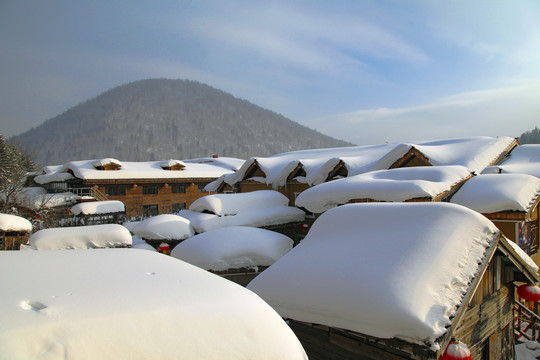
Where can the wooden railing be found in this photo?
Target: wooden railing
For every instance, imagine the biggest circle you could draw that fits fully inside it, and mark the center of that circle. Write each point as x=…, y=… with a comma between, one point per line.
x=527, y=322
x=90, y=191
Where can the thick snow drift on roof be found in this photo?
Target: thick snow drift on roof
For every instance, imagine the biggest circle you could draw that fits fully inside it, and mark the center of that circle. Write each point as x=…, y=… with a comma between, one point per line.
x=260, y=217
x=170, y=163
x=384, y=185
x=233, y=247
x=230, y=204
x=524, y=159
x=81, y=237
x=145, y=170
x=222, y=161
x=164, y=227
x=498, y=192
x=98, y=207
x=475, y=153
x=55, y=177
x=382, y=269
x=126, y=303
x=14, y=223
x=106, y=161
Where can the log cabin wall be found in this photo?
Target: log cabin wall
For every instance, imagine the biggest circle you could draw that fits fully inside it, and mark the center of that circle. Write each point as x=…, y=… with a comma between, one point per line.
x=166, y=196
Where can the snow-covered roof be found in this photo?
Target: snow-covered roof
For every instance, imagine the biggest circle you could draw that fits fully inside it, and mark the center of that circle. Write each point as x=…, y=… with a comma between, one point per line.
x=164, y=227
x=53, y=177
x=491, y=193
x=10, y=223
x=474, y=153
x=233, y=248
x=225, y=162
x=230, y=204
x=98, y=207
x=170, y=163
x=524, y=159
x=81, y=237
x=382, y=269
x=86, y=170
x=398, y=184
x=128, y=303
x=256, y=208
x=106, y=161
x=36, y=198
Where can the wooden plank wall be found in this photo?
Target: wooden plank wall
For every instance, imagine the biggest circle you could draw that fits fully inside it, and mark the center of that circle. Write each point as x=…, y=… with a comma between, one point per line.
x=487, y=328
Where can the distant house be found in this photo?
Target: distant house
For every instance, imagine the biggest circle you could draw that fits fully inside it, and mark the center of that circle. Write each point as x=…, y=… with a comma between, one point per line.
x=292, y=173
x=510, y=201
x=145, y=188
x=398, y=281
x=524, y=159
x=14, y=231
x=411, y=184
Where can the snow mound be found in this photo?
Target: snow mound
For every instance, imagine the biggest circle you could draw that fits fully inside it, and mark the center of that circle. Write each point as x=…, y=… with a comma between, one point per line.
x=14, y=223
x=232, y=248
x=98, y=207
x=384, y=185
x=382, y=269
x=81, y=237
x=491, y=193
x=126, y=303
x=164, y=227
x=231, y=204
x=524, y=159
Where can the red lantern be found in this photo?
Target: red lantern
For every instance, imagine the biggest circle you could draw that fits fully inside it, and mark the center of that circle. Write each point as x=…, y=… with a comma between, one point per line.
x=164, y=248
x=456, y=350
x=529, y=292
x=305, y=227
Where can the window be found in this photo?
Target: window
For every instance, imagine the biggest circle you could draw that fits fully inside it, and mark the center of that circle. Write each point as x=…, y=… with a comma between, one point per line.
x=115, y=190
x=176, y=207
x=150, y=210
x=178, y=188
x=150, y=189
x=201, y=187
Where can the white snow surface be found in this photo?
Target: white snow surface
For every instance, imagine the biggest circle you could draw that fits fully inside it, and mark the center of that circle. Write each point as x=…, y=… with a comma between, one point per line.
x=490, y=193
x=524, y=256
x=222, y=161
x=81, y=237
x=54, y=177
x=474, y=153
x=384, y=185
x=145, y=170
x=10, y=222
x=36, y=198
x=98, y=207
x=131, y=304
x=232, y=248
x=171, y=162
x=259, y=217
x=382, y=269
x=524, y=159
x=164, y=227
x=231, y=204
x=106, y=161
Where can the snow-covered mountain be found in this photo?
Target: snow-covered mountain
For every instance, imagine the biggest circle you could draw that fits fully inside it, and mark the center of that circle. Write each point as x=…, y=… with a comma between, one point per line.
x=161, y=119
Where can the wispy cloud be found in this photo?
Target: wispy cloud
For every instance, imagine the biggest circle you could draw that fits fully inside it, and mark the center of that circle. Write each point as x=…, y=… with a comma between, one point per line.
x=496, y=112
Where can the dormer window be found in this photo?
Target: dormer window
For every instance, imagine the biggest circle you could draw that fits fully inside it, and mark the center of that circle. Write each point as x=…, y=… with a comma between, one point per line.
x=107, y=164
x=172, y=165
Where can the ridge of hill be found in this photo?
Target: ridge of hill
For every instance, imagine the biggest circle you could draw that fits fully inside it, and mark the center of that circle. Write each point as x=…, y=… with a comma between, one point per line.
x=161, y=119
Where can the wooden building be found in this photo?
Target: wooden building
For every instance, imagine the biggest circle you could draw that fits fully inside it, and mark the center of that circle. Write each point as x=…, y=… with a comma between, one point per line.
x=294, y=172
x=415, y=276
x=14, y=231
x=145, y=188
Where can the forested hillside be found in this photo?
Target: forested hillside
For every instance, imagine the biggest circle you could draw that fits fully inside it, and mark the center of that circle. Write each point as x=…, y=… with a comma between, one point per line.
x=530, y=137
x=161, y=119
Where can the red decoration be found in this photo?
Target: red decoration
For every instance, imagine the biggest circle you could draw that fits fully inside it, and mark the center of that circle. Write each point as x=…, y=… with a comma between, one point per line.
x=456, y=350
x=305, y=227
x=163, y=247
x=529, y=292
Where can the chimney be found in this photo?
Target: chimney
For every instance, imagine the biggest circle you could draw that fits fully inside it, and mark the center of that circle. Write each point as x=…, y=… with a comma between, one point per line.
x=215, y=156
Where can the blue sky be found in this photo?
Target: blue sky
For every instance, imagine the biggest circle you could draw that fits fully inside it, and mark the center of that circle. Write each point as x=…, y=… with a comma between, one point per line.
x=362, y=71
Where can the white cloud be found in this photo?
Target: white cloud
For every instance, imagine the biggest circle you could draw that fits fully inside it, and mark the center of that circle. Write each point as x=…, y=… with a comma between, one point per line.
x=494, y=112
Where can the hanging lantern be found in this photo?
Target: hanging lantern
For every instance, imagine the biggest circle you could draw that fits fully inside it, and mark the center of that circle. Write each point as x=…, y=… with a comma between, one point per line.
x=164, y=248
x=456, y=350
x=529, y=292
x=305, y=227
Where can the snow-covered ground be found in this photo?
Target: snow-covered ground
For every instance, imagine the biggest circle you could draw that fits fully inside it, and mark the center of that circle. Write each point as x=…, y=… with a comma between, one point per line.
x=131, y=304
x=232, y=248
